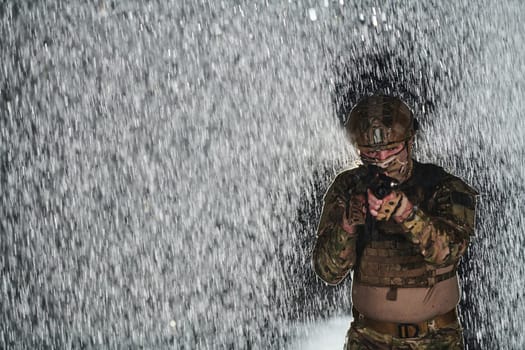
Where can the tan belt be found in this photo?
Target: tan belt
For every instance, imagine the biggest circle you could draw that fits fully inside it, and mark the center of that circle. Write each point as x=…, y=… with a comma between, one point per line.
x=409, y=330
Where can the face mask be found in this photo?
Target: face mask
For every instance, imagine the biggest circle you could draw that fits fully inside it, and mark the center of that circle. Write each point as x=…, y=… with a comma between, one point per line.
x=397, y=166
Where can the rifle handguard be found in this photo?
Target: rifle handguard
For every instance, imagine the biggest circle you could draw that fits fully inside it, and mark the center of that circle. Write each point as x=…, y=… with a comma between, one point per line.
x=396, y=207
x=390, y=207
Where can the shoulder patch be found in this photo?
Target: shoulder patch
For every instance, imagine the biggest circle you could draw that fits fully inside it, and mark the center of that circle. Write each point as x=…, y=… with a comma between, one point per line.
x=463, y=199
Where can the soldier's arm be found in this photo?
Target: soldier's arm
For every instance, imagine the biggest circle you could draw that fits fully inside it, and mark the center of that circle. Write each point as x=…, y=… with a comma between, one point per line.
x=335, y=249
x=443, y=233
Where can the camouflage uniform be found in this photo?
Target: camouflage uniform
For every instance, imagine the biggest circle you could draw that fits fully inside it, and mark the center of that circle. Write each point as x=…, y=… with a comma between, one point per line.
x=362, y=338
x=406, y=255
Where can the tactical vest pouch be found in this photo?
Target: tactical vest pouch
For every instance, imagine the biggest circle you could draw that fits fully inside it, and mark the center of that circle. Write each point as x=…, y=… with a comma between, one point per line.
x=397, y=264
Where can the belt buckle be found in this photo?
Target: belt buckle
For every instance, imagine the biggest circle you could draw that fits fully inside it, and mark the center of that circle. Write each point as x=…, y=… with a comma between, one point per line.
x=407, y=330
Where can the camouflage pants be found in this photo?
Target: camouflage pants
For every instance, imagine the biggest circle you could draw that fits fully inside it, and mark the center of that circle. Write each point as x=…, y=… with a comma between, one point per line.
x=362, y=338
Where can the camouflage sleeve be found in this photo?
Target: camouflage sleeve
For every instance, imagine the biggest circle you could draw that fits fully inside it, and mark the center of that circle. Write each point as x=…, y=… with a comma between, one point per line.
x=443, y=233
x=334, y=251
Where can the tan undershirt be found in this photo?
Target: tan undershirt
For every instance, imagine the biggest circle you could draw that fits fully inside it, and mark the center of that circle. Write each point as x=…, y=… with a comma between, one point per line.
x=411, y=305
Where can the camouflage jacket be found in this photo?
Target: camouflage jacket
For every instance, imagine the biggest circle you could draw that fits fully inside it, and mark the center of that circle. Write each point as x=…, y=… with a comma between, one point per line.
x=385, y=253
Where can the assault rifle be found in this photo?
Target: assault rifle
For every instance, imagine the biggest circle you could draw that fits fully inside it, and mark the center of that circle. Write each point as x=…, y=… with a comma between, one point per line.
x=380, y=184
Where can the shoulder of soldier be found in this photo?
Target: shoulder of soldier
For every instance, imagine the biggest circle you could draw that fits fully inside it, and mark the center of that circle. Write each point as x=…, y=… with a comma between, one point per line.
x=353, y=172
x=459, y=189
x=437, y=177
x=347, y=179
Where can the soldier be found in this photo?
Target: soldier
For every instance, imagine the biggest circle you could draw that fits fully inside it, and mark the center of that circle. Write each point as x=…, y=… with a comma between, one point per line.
x=401, y=226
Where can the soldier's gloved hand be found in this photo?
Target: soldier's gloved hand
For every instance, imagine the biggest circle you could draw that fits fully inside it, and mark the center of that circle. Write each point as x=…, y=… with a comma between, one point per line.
x=395, y=205
x=354, y=213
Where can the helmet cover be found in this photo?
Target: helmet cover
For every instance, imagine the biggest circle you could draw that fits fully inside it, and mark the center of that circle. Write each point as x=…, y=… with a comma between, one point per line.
x=380, y=121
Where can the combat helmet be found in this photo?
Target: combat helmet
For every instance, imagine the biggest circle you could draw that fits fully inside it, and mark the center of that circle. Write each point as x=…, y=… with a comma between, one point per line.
x=380, y=121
